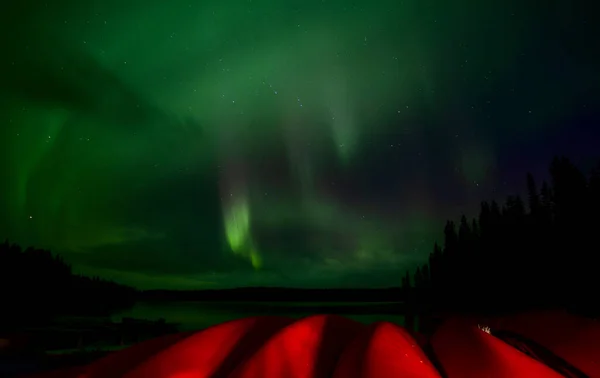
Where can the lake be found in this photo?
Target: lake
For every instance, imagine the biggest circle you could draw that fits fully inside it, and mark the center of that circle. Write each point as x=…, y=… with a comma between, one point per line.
x=198, y=315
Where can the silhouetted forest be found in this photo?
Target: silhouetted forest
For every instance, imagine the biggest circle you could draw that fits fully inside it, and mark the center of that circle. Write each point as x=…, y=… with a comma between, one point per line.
x=521, y=254
x=541, y=252
x=36, y=285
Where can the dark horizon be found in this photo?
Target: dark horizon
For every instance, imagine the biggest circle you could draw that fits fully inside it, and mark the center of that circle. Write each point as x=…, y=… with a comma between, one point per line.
x=512, y=239
x=277, y=288
x=279, y=294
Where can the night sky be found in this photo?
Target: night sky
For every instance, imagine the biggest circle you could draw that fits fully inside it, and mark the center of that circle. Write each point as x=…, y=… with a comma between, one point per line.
x=218, y=143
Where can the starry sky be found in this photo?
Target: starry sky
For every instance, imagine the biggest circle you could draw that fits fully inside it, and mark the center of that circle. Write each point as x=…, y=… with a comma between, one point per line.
x=316, y=143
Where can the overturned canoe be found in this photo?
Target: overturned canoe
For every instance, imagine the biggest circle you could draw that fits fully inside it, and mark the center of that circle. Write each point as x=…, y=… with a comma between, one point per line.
x=384, y=350
x=323, y=346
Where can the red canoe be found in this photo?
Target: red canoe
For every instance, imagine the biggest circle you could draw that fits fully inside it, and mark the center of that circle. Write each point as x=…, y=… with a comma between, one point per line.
x=384, y=350
x=326, y=346
x=574, y=339
x=466, y=351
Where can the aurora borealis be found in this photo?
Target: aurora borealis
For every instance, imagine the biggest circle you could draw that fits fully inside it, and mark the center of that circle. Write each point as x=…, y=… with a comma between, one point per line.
x=323, y=143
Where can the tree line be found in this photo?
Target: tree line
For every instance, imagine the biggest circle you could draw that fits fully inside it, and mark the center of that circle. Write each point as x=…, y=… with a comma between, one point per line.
x=36, y=285
x=535, y=253
x=520, y=254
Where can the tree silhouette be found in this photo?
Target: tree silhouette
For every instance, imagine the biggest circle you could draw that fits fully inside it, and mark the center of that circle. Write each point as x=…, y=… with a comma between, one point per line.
x=515, y=256
x=36, y=286
x=534, y=198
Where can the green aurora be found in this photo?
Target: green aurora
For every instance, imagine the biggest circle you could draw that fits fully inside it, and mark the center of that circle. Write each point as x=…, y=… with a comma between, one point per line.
x=318, y=143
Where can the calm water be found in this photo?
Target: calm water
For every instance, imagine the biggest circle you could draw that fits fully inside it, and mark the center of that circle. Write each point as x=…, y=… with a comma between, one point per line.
x=198, y=315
